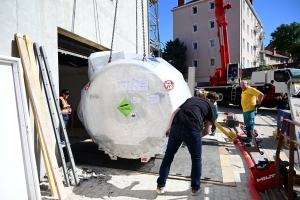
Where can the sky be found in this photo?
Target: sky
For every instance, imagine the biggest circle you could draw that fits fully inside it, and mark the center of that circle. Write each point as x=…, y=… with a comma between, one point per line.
x=272, y=14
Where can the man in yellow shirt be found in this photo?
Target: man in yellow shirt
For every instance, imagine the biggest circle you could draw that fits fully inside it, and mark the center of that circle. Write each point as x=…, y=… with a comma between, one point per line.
x=251, y=100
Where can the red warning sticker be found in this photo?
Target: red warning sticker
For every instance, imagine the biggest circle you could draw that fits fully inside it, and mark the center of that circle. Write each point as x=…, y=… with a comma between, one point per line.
x=87, y=86
x=169, y=85
x=144, y=160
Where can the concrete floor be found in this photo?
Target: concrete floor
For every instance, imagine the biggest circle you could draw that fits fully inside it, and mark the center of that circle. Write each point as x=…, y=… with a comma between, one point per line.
x=105, y=183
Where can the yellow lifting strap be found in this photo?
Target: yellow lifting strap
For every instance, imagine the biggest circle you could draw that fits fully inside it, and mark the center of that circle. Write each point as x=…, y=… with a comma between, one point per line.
x=231, y=135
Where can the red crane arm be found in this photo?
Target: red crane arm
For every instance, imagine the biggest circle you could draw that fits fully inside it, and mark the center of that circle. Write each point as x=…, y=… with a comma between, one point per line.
x=220, y=77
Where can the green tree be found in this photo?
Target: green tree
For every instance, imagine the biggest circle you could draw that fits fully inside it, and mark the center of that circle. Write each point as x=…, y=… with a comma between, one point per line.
x=286, y=38
x=175, y=53
x=263, y=68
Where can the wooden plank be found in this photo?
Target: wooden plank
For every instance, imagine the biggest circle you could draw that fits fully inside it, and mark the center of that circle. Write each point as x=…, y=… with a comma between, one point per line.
x=256, y=157
x=35, y=94
x=39, y=133
x=81, y=39
x=227, y=171
x=223, y=150
x=276, y=194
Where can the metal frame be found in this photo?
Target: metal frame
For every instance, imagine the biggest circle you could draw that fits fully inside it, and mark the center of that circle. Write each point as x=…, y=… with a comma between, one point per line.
x=32, y=182
x=51, y=94
x=153, y=25
x=53, y=112
x=293, y=143
x=289, y=85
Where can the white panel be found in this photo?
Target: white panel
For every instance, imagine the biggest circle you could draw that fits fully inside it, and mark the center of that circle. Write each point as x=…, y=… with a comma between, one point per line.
x=13, y=180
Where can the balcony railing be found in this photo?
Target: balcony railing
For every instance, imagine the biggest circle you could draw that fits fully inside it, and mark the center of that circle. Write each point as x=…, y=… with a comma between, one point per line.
x=257, y=29
x=257, y=44
x=256, y=59
x=262, y=35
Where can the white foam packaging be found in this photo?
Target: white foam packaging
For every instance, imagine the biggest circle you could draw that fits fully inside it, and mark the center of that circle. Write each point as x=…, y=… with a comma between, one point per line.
x=127, y=105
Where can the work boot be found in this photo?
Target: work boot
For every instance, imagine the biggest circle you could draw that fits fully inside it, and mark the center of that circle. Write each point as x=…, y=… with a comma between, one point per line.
x=195, y=191
x=160, y=190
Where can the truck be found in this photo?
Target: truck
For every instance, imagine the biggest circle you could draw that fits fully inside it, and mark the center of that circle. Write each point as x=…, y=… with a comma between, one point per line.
x=226, y=79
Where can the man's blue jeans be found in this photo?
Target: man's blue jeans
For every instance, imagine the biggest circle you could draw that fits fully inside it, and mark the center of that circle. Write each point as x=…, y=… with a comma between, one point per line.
x=213, y=128
x=65, y=118
x=193, y=141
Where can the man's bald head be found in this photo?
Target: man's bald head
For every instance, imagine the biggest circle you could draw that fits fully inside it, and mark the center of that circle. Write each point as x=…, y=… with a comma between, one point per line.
x=244, y=85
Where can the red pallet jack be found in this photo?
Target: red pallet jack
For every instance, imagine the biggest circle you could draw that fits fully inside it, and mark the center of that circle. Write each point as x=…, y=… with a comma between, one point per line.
x=262, y=171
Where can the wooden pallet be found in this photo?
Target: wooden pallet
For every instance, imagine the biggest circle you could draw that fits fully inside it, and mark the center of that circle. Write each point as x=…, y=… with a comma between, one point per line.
x=277, y=194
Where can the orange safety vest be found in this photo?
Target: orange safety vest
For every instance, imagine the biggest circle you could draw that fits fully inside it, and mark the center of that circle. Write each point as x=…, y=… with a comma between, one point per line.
x=65, y=103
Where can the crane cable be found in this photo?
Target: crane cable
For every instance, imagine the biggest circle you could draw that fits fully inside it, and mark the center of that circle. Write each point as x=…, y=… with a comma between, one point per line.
x=113, y=33
x=136, y=27
x=73, y=16
x=144, y=55
x=143, y=26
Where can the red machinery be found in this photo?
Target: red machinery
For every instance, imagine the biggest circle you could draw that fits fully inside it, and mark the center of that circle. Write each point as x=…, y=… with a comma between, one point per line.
x=220, y=77
x=226, y=78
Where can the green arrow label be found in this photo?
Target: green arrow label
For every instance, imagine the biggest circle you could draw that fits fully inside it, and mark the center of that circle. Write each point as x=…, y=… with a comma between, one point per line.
x=125, y=107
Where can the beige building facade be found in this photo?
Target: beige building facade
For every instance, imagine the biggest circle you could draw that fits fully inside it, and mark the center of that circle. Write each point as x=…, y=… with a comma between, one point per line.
x=273, y=58
x=195, y=25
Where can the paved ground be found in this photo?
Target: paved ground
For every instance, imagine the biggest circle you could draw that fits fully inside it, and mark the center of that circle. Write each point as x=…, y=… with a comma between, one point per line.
x=104, y=183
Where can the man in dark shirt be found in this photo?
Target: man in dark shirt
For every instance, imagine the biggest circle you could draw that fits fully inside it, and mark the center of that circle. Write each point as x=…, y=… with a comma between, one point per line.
x=282, y=101
x=185, y=126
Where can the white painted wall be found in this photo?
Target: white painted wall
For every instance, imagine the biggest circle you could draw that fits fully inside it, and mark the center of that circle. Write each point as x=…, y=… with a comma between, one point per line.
x=41, y=18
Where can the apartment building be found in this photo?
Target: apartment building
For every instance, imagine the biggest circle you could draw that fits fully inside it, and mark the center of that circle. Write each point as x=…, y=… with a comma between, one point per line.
x=273, y=58
x=195, y=25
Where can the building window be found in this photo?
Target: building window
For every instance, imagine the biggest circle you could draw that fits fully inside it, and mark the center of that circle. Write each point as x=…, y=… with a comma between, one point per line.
x=251, y=49
x=195, y=63
x=243, y=43
x=251, y=33
x=248, y=11
x=248, y=47
x=195, y=45
x=195, y=27
x=243, y=24
x=243, y=63
x=194, y=10
x=250, y=64
x=251, y=17
x=211, y=62
x=247, y=63
x=212, y=43
x=248, y=29
x=244, y=5
x=211, y=5
x=211, y=24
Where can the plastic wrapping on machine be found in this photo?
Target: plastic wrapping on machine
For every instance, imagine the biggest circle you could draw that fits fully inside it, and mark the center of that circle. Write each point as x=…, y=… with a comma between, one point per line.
x=127, y=105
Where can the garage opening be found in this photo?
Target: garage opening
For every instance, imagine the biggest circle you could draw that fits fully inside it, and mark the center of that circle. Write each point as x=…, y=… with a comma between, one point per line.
x=73, y=53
